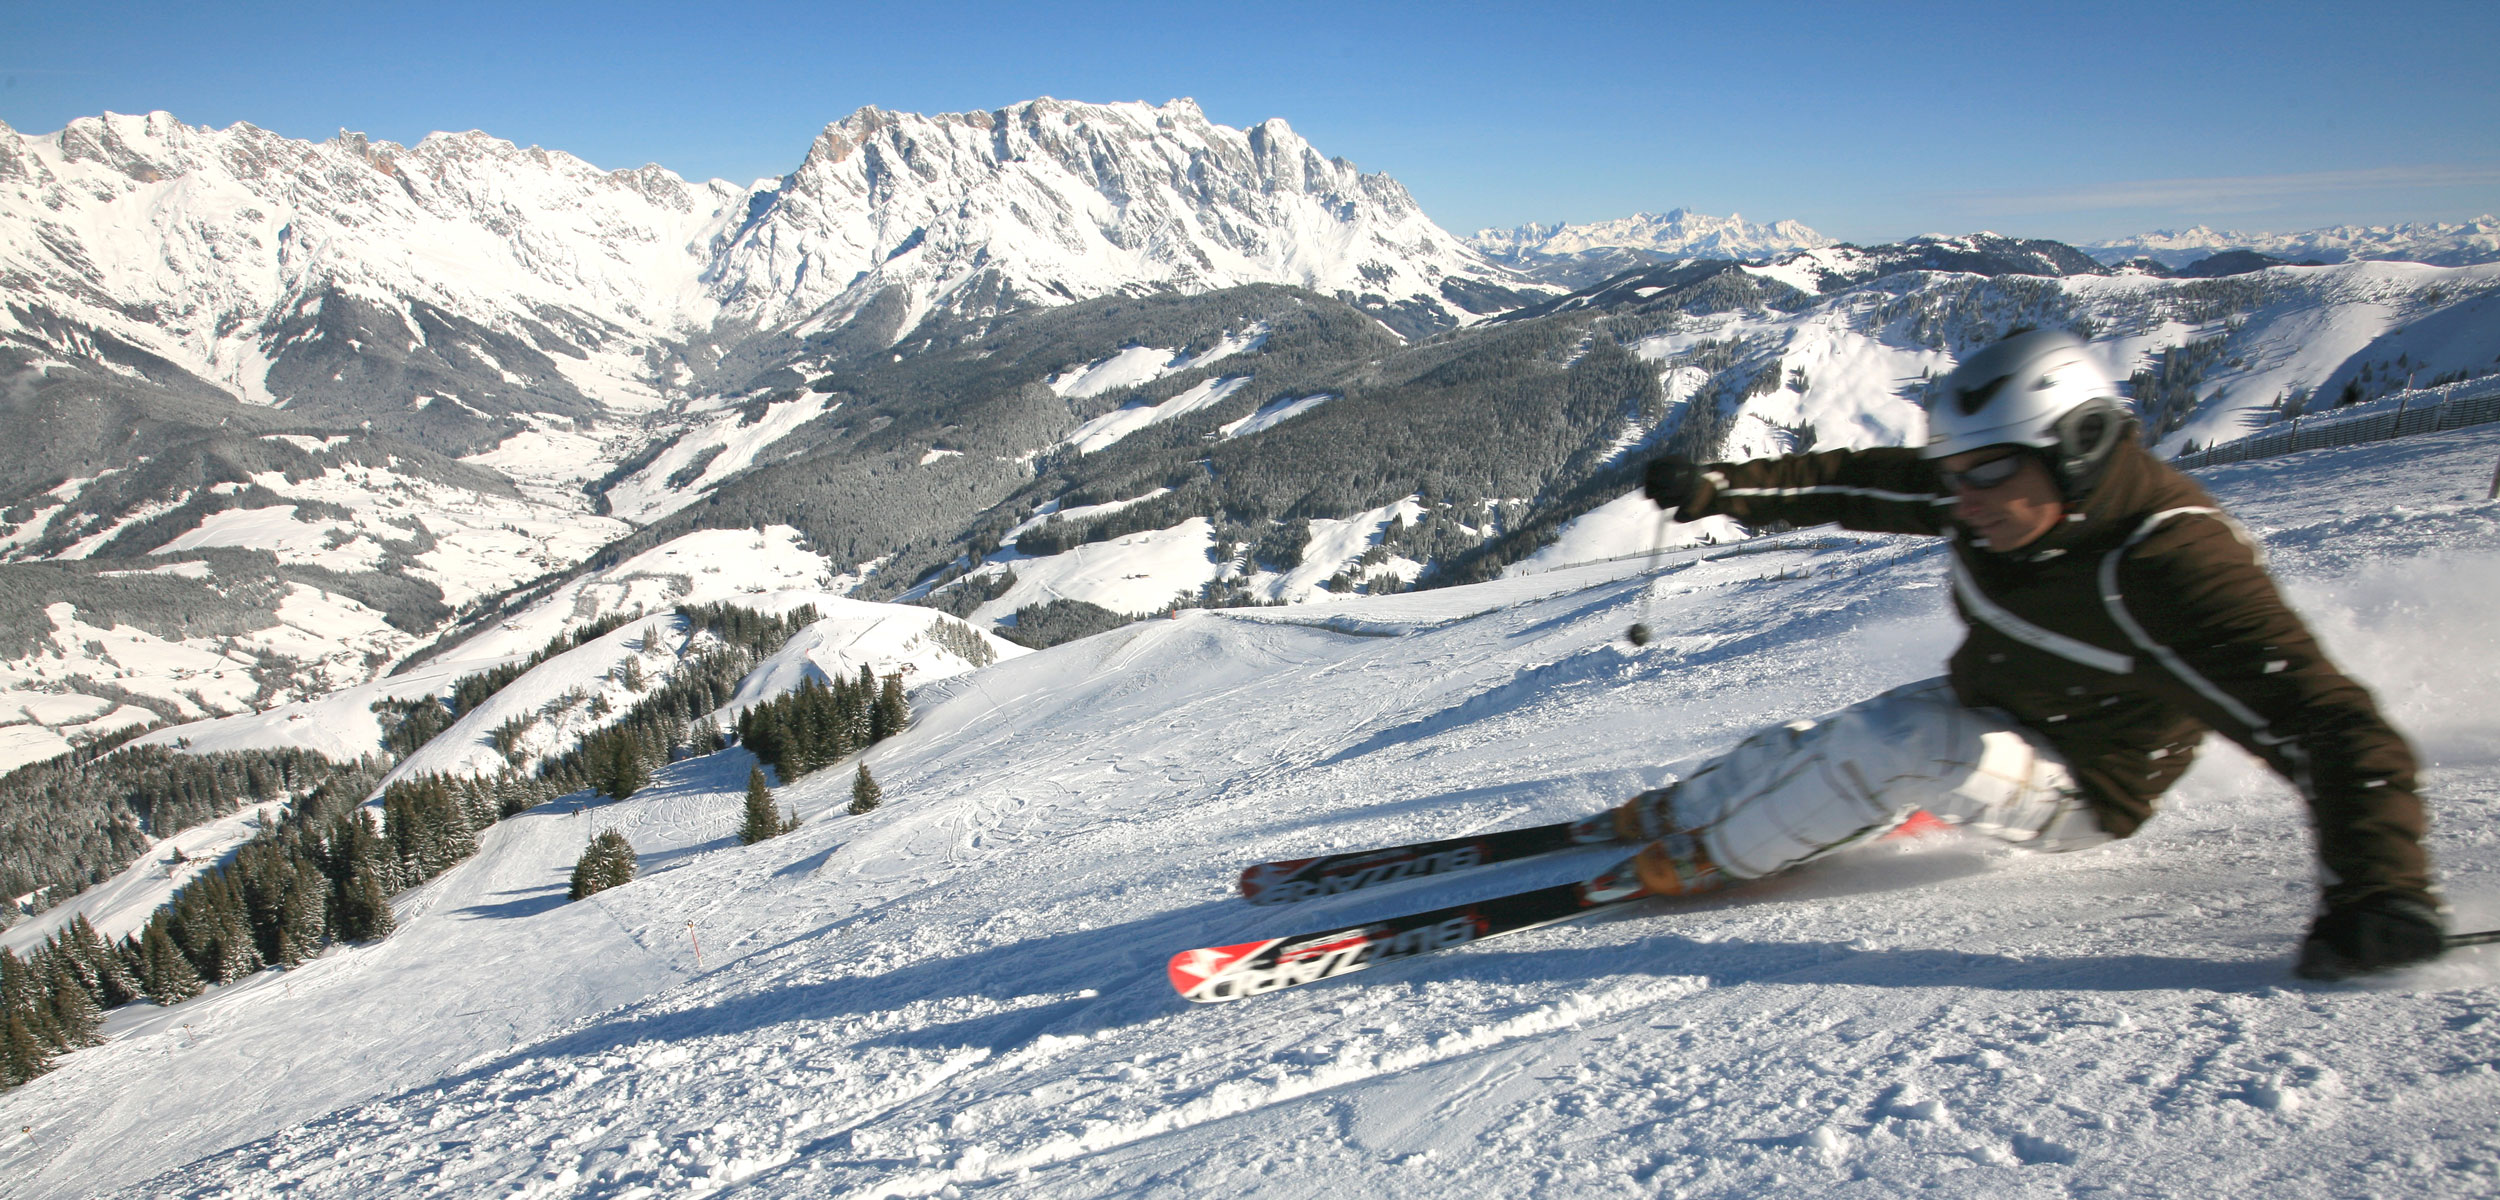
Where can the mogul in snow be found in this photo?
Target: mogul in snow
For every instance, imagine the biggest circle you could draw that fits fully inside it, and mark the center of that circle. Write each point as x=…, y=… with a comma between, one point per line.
x=2115, y=614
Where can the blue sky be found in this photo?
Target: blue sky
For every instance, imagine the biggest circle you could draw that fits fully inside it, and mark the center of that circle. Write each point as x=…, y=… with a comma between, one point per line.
x=1867, y=121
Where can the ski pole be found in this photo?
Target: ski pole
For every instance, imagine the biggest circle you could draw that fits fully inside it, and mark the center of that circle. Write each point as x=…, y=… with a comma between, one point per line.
x=2484, y=938
x=1640, y=633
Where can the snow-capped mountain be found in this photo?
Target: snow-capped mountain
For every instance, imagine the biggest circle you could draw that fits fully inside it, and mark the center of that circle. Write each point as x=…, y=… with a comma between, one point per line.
x=894, y=215
x=2446, y=244
x=354, y=279
x=467, y=283
x=1676, y=233
x=1576, y=255
x=398, y=369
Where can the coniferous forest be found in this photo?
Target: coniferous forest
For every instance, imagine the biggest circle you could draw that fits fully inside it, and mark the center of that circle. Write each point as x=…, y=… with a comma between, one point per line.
x=325, y=872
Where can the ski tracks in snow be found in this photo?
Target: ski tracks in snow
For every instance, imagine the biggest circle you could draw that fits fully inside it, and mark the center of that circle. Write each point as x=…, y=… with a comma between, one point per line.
x=962, y=992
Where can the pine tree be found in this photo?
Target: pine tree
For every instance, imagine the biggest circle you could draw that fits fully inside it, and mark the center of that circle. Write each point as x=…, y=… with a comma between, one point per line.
x=114, y=986
x=365, y=907
x=607, y=862
x=76, y=1021
x=625, y=773
x=303, y=918
x=19, y=992
x=892, y=712
x=763, y=820
x=170, y=978
x=24, y=1056
x=865, y=794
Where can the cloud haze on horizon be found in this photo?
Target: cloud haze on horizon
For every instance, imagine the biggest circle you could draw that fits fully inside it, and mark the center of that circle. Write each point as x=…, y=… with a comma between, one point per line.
x=1866, y=122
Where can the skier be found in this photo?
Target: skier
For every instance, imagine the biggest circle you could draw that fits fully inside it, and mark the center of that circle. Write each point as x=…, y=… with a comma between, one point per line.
x=2115, y=613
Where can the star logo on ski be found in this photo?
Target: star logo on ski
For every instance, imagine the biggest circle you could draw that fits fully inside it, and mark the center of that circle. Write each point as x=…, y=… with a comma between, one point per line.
x=1202, y=963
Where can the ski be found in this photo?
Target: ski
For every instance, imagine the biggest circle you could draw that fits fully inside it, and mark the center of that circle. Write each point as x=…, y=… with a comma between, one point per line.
x=1295, y=879
x=1218, y=973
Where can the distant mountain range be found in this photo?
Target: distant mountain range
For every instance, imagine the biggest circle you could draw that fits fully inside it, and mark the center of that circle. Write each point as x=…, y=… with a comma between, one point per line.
x=1577, y=255
x=2454, y=244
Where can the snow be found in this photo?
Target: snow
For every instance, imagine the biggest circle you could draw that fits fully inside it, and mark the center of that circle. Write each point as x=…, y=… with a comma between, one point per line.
x=1622, y=527
x=964, y=989
x=1110, y=427
x=23, y=743
x=1679, y=231
x=765, y=570
x=220, y=229
x=1133, y=365
x=1335, y=546
x=548, y=460
x=1275, y=413
x=733, y=442
x=483, y=544
x=885, y=638
x=1136, y=573
x=1150, y=571
x=583, y=689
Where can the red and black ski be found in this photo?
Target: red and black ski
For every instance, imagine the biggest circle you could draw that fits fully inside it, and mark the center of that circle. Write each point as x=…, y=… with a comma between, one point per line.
x=1218, y=973
x=1297, y=879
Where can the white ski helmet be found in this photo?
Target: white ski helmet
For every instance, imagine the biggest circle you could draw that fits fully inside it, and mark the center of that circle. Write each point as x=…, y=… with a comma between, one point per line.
x=2038, y=389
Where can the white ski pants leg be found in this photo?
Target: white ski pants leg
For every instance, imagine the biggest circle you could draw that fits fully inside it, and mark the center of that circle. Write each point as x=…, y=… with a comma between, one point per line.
x=1804, y=789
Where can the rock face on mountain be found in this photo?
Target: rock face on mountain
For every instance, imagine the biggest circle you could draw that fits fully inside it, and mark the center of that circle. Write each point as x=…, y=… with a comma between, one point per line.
x=895, y=215
x=450, y=288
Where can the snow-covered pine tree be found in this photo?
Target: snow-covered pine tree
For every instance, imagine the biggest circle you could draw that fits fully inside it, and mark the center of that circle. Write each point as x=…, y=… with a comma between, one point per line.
x=862, y=708
x=113, y=983
x=892, y=711
x=77, y=1021
x=360, y=907
x=17, y=983
x=607, y=862
x=763, y=820
x=303, y=918
x=170, y=978
x=865, y=794
x=23, y=1056
x=625, y=774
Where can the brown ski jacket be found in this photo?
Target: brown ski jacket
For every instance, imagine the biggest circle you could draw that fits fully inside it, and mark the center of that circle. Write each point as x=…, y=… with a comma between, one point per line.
x=2122, y=635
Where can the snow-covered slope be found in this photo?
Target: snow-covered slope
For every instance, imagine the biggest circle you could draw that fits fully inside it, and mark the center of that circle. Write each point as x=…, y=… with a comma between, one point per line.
x=766, y=570
x=554, y=705
x=964, y=989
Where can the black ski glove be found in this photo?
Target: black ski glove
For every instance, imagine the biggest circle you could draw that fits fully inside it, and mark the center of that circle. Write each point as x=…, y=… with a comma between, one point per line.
x=2373, y=933
x=1670, y=481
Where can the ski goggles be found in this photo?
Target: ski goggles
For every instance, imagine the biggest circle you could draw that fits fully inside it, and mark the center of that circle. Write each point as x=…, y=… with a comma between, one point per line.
x=1982, y=476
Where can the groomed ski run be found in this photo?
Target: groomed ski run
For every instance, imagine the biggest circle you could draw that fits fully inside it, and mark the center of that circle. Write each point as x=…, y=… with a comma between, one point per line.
x=964, y=993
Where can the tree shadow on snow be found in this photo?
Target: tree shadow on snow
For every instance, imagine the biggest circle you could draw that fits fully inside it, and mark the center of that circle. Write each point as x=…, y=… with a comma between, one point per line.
x=533, y=901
